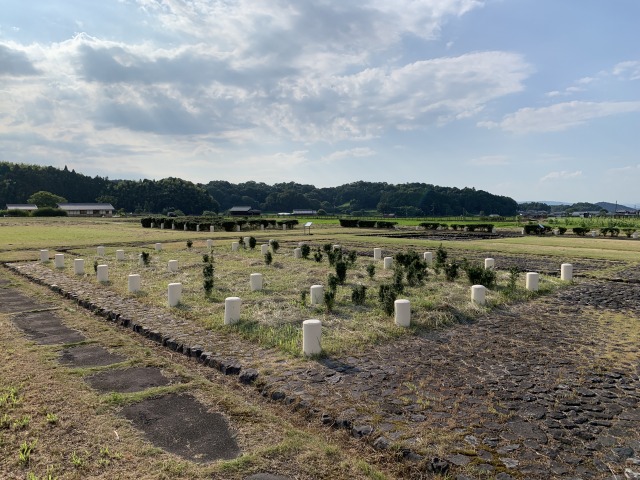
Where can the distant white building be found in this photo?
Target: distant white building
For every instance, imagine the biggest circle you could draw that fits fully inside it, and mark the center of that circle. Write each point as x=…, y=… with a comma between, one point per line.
x=25, y=207
x=87, y=209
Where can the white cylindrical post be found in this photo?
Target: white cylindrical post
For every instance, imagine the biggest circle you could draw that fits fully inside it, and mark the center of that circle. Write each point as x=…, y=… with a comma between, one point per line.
x=238, y=228
x=312, y=337
x=103, y=273
x=173, y=226
x=566, y=272
x=134, y=283
x=402, y=313
x=377, y=254
x=162, y=226
x=100, y=251
x=388, y=262
x=255, y=280
x=173, y=266
x=235, y=246
x=232, y=310
x=184, y=227
x=198, y=228
x=478, y=294
x=428, y=257
x=523, y=231
x=337, y=247
x=297, y=253
x=284, y=226
x=209, y=243
x=246, y=242
x=212, y=229
x=158, y=247
x=264, y=249
x=317, y=294
x=44, y=255
x=262, y=227
x=174, y=292
x=59, y=260
x=153, y=225
x=120, y=254
x=489, y=263
x=635, y=235
x=532, y=281
x=78, y=266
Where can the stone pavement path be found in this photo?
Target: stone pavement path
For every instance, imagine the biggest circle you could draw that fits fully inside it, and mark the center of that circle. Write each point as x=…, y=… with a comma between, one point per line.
x=547, y=389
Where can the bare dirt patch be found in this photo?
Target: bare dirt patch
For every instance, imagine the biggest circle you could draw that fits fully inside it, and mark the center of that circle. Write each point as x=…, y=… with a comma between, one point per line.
x=182, y=425
x=89, y=356
x=46, y=328
x=127, y=380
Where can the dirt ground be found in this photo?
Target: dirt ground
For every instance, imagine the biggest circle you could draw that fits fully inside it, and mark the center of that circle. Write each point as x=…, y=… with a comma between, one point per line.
x=545, y=389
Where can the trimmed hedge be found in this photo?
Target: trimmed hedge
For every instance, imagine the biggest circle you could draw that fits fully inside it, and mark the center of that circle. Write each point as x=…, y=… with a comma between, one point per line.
x=537, y=229
x=580, y=231
x=49, y=212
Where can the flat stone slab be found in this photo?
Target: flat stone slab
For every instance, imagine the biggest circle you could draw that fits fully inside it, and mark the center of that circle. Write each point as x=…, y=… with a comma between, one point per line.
x=89, y=356
x=12, y=301
x=182, y=425
x=127, y=380
x=46, y=328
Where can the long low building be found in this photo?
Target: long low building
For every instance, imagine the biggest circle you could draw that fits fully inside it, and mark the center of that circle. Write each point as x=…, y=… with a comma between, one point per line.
x=87, y=209
x=25, y=207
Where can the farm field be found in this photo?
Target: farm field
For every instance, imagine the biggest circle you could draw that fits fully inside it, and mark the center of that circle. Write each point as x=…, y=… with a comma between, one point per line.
x=449, y=387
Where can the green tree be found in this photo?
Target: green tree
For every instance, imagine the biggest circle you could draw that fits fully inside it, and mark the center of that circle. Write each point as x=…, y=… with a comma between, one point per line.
x=46, y=199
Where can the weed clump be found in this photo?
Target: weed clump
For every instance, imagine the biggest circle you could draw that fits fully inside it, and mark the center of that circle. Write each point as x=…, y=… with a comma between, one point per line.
x=358, y=294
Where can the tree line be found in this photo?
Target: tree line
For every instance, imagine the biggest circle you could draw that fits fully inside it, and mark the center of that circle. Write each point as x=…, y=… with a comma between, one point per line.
x=19, y=181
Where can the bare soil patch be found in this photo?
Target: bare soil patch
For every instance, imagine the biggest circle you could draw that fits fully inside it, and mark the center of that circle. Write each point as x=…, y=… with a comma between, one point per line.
x=46, y=328
x=127, y=380
x=182, y=425
x=89, y=356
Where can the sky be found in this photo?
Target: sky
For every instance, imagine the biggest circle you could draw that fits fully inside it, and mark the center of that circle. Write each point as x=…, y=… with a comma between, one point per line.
x=532, y=99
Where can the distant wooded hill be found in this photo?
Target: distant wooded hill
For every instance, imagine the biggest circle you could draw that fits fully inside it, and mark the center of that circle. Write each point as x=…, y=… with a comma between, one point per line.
x=19, y=181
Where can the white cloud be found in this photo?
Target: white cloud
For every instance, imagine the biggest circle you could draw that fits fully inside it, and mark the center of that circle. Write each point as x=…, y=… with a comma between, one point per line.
x=490, y=161
x=629, y=70
x=563, y=175
x=359, y=152
x=561, y=116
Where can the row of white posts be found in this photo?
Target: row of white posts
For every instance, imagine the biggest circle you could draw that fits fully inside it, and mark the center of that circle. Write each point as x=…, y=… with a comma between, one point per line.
x=311, y=329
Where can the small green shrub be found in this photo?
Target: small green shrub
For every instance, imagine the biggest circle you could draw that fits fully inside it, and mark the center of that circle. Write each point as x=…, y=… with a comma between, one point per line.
x=95, y=266
x=143, y=255
x=305, y=250
x=317, y=256
x=275, y=245
x=207, y=275
x=332, y=282
x=329, y=300
x=478, y=275
x=441, y=257
x=512, y=279
x=358, y=294
x=252, y=243
x=580, y=231
x=189, y=244
x=371, y=270
x=451, y=271
x=341, y=271
x=387, y=296
x=268, y=258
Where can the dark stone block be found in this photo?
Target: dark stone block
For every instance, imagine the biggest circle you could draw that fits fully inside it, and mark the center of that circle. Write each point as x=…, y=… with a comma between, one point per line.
x=361, y=431
x=248, y=376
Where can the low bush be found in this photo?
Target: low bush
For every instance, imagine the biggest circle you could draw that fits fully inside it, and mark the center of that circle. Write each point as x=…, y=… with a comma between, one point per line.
x=383, y=224
x=478, y=275
x=387, y=296
x=49, y=212
x=451, y=271
x=366, y=223
x=14, y=213
x=371, y=270
x=580, y=231
x=305, y=250
x=268, y=258
x=358, y=294
x=348, y=222
x=536, y=229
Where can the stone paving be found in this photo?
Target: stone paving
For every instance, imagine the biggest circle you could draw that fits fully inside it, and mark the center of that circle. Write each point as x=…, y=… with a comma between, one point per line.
x=546, y=389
